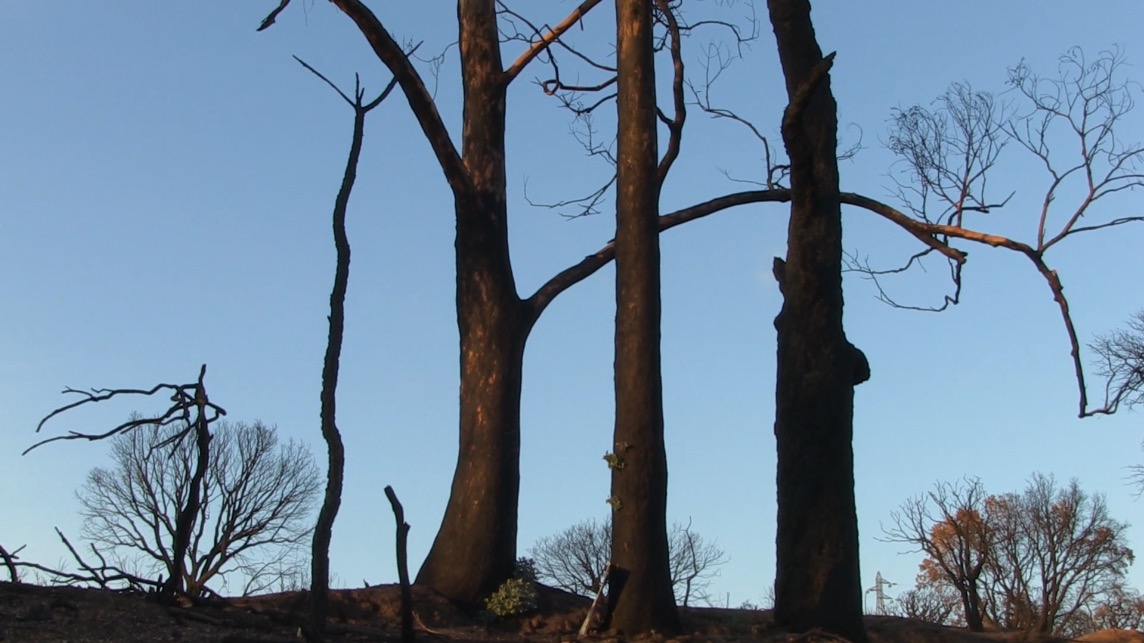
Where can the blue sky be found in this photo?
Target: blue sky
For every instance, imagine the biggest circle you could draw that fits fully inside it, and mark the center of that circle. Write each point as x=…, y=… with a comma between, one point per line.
x=168, y=175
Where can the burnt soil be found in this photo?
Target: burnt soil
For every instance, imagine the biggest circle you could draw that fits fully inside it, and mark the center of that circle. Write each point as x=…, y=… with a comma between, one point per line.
x=66, y=614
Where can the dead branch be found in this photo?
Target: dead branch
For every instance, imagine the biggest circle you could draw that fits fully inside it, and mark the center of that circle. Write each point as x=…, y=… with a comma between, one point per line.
x=545, y=40
x=10, y=559
x=359, y=94
x=1121, y=363
x=593, y=262
x=679, y=106
x=586, y=205
x=420, y=100
x=103, y=576
x=1086, y=100
x=862, y=266
x=184, y=398
x=714, y=64
x=947, y=153
x=269, y=20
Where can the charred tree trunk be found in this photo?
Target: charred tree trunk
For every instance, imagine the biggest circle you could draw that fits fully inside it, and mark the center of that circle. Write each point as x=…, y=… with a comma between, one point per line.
x=402, y=565
x=335, y=449
x=641, y=595
x=475, y=548
x=185, y=520
x=817, y=584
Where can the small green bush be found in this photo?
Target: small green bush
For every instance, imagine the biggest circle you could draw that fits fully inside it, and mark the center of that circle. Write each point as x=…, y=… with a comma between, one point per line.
x=518, y=595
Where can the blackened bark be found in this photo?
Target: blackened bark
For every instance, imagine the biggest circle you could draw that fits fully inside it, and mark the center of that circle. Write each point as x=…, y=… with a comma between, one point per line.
x=817, y=584
x=475, y=549
x=335, y=449
x=10, y=562
x=185, y=520
x=402, y=566
x=641, y=596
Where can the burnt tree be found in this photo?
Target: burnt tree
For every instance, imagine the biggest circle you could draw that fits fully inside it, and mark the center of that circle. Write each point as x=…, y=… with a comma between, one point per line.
x=641, y=598
x=335, y=449
x=475, y=547
x=817, y=582
x=193, y=411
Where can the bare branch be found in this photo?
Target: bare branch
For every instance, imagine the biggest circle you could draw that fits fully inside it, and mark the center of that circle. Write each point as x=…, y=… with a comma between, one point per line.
x=1086, y=100
x=9, y=559
x=359, y=93
x=1121, y=363
x=948, y=151
x=545, y=40
x=676, y=121
x=862, y=266
x=269, y=20
x=590, y=264
x=587, y=205
x=103, y=576
x=184, y=398
x=420, y=101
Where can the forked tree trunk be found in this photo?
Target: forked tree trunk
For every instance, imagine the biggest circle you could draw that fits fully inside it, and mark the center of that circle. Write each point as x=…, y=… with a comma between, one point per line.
x=817, y=584
x=179, y=581
x=641, y=593
x=475, y=548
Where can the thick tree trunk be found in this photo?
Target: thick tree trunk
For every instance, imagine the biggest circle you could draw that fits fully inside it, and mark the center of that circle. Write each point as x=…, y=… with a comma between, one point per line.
x=475, y=548
x=640, y=593
x=818, y=584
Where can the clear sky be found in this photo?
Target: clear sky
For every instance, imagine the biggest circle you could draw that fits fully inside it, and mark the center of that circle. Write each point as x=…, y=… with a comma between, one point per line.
x=166, y=181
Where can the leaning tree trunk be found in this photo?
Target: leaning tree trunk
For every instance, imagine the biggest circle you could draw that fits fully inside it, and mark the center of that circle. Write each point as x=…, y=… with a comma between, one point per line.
x=817, y=584
x=640, y=593
x=475, y=548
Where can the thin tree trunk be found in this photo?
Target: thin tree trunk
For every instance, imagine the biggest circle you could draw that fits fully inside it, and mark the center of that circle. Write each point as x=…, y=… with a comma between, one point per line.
x=185, y=520
x=641, y=593
x=335, y=449
x=972, y=606
x=818, y=584
x=402, y=566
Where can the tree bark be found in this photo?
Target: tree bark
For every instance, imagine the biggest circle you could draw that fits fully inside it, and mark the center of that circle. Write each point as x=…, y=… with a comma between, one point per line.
x=475, y=549
x=818, y=584
x=641, y=594
x=402, y=565
x=335, y=449
x=179, y=581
